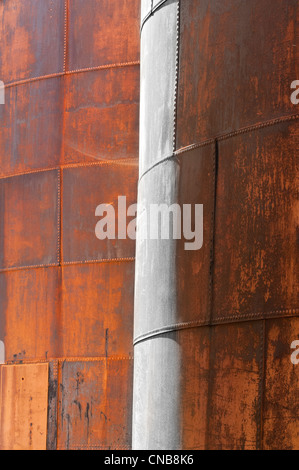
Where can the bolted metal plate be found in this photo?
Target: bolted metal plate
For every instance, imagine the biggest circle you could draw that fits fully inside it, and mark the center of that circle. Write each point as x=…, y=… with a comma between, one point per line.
x=281, y=386
x=235, y=393
x=257, y=223
x=109, y=31
x=101, y=115
x=29, y=306
x=95, y=404
x=31, y=123
x=97, y=309
x=177, y=280
x=29, y=219
x=31, y=44
x=158, y=80
x=84, y=188
x=23, y=406
x=237, y=62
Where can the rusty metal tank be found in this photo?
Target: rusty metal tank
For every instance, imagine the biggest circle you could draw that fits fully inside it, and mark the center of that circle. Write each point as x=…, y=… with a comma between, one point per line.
x=214, y=327
x=68, y=142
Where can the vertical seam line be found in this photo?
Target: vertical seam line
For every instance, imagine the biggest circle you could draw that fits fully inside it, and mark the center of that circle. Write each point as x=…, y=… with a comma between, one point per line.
x=213, y=225
x=177, y=61
x=65, y=44
x=58, y=216
x=211, y=285
x=60, y=260
x=262, y=367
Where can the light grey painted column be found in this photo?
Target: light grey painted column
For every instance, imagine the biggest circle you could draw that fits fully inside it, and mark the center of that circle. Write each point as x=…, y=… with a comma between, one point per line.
x=157, y=356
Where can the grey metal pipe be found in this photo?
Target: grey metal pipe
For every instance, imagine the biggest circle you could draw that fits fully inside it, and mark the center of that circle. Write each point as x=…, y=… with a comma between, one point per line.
x=157, y=368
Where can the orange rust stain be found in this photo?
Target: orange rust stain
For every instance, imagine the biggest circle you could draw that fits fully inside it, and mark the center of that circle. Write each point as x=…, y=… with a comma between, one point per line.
x=23, y=406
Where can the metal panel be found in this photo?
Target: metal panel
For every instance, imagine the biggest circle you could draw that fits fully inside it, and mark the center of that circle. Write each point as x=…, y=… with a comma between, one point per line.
x=195, y=345
x=184, y=294
x=234, y=411
x=209, y=394
x=171, y=375
x=74, y=116
x=105, y=183
x=109, y=31
x=23, y=406
x=256, y=222
x=29, y=230
x=155, y=301
x=29, y=306
x=237, y=62
x=94, y=408
x=97, y=309
x=31, y=44
x=31, y=123
x=156, y=403
x=158, y=78
x=281, y=405
x=101, y=115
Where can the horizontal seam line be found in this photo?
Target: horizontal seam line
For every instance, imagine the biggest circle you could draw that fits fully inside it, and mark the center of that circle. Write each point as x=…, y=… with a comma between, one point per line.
x=124, y=161
x=160, y=162
x=59, y=360
x=221, y=137
x=222, y=320
x=66, y=263
x=28, y=172
x=107, y=260
x=242, y=130
x=71, y=72
x=31, y=266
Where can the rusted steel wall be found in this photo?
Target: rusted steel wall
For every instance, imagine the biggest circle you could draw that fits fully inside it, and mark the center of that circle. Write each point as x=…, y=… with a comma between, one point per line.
x=69, y=142
x=213, y=327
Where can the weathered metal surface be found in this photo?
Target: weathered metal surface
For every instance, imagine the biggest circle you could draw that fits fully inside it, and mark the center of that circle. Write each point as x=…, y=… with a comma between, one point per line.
x=23, y=406
x=109, y=31
x=210, y=69
x=230, y=385
x=256, y=222
x=157, y=84
x=184, y=294
x=81, y=311
x=105, y=184
x=101, y=115
x=237, y=62
x=156, y=362
x=71, y=107
x=234, y=401
x=29, y=231
x=52, y=412
x=30, y=312
x=281, y=402
x=215, y=405
x=31, y=44
x=31, y=123
x=94, y=404
x=99, y=300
